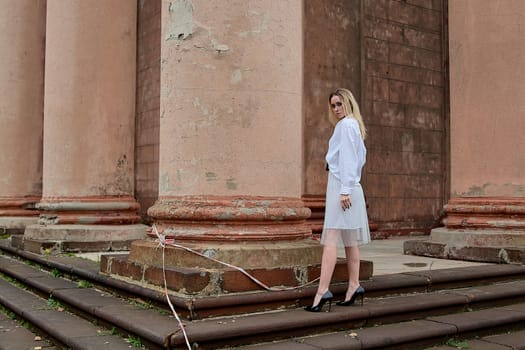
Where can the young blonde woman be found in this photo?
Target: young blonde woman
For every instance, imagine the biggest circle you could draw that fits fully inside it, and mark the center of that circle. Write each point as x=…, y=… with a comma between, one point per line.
x=346, y=222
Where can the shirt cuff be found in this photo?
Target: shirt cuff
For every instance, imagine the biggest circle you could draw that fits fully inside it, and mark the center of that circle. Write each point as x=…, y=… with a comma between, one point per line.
x=345, y=190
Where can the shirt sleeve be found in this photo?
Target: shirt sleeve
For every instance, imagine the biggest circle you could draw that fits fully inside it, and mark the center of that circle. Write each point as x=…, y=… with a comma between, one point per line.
x=348, y=159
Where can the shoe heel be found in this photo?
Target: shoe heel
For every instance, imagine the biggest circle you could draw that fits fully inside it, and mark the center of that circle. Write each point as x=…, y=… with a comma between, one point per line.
x=327, y=297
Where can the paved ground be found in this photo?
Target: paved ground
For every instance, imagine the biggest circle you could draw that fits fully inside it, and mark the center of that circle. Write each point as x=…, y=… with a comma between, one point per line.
x=387, y=256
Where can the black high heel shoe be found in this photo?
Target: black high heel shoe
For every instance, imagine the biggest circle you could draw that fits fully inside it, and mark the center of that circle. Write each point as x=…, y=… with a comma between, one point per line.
x=360, y=291
x=327, y=297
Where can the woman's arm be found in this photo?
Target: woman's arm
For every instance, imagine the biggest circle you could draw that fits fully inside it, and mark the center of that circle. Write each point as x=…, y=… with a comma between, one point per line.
x=348, y=158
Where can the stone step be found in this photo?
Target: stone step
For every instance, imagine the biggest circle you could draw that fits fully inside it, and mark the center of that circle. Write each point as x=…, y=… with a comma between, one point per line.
x=462, y=329
x=14, y=336
x=192, y=308
x=151, y=326
x=65, y=328
x=390, y=300
x=375, y=311
x=506, y=341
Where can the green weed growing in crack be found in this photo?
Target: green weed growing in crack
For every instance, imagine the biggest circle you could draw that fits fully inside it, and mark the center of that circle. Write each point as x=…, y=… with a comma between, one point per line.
x=163, y=312
x=458, y=344
x=55, y=304
x=33, y=264
x=8, y=312
x=56, y=273
x=135, y=342
x=13, y=281
x=141, y=305
x=84, y=284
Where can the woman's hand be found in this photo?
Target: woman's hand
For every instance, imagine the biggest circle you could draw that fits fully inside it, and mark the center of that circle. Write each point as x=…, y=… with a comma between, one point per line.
x=345, y=201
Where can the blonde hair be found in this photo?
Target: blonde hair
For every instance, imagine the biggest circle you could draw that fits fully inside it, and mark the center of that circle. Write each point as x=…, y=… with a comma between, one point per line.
x=350, y=107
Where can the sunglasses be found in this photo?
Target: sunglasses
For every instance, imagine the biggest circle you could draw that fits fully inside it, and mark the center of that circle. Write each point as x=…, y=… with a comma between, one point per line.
x=337, y=104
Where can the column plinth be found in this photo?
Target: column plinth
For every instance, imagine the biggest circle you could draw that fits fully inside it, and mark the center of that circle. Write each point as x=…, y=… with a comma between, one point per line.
x=266, y=236
x=488, y=229
x=252, y=232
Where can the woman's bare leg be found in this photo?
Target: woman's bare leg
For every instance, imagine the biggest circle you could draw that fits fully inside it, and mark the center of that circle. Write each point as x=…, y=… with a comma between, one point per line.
x=327, y=269
x=353, y=261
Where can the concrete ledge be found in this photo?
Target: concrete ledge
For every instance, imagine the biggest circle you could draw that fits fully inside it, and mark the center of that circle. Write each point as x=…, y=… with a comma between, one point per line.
x=17, y=224
x=250, y=255
x=49, y=239
x=499, y=255
x=478, y=238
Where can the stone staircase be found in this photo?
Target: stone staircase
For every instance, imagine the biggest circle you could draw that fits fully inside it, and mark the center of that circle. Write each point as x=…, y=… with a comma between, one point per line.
x=63, y=302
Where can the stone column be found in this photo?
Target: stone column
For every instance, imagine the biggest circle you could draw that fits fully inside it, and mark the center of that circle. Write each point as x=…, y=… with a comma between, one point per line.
x=231, y=146
x=88, y=162
x=22, y=37
x=485, y=217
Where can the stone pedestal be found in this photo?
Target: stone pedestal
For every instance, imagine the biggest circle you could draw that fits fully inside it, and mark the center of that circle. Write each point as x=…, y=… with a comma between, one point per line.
x=85, y=224
x=88, y=161
x=490, y=229
x=265, y=236
x=22, y=38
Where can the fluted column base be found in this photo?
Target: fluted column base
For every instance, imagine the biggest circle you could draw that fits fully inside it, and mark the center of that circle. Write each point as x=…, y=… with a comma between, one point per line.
x=489, y=229
x=84, y=224
x=227, y=219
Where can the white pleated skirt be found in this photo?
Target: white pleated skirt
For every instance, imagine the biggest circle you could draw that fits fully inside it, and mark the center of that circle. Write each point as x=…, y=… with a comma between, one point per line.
x=344, y=228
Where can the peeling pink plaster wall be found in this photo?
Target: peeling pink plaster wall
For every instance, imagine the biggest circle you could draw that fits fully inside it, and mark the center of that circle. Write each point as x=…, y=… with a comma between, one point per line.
x=89, y=99
x=231, y=98
x=487, y=60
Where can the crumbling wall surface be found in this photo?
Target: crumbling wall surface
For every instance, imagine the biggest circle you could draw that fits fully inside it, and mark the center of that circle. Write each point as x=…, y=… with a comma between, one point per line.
x=404, y=110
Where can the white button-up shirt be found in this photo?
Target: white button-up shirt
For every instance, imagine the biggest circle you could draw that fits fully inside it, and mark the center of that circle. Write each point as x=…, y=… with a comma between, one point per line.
x=346, y=154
